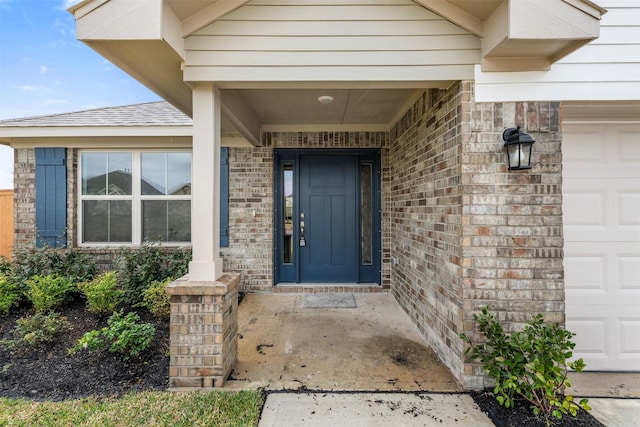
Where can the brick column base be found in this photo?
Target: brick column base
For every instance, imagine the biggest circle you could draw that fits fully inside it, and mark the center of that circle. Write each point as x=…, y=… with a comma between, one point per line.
x=204, y=331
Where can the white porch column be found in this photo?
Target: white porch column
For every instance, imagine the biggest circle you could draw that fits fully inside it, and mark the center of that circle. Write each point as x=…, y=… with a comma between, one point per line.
x=205, y=185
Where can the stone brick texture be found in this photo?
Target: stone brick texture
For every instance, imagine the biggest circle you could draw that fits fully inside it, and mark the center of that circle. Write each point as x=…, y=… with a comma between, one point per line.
x=466, y=231
x=204, y=332
x=24, y=198
x=424, y=208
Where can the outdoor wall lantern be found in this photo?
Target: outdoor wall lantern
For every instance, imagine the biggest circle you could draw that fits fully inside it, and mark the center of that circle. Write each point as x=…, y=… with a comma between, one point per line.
x=518, y=145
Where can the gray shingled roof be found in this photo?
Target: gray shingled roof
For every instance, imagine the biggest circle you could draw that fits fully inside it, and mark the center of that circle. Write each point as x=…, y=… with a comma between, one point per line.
x=159, y=113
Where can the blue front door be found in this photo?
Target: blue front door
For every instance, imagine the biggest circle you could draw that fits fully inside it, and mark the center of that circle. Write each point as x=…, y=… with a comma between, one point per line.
x=327, y=219
x=327, y=216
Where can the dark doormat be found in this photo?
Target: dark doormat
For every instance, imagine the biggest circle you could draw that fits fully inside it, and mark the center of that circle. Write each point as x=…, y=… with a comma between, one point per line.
x=329, y=300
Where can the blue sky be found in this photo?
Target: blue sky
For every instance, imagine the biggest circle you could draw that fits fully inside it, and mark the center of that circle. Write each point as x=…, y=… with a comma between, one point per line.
x=45, y=70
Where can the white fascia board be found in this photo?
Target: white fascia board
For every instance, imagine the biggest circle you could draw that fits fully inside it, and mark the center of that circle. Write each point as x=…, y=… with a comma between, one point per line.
x=326, y=128
x=103, y=143
x=119, y=143
x=94, y=131
x=171, y=29
x=561, y=83
x=121, y=20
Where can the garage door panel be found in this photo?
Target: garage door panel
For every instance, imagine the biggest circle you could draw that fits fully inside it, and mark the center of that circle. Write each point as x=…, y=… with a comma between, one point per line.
x=607, y=338
x=601, y=210
x=629, y=273
x=629, y=149
x=630, y=339
x=587, y=271
x=601, y=215
x=590, y=334
x=629, y=209
x=601, y=150
x=603, y=270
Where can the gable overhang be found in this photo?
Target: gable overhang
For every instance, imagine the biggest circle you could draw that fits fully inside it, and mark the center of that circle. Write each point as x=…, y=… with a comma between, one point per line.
x=147, y=39
x=523, y=35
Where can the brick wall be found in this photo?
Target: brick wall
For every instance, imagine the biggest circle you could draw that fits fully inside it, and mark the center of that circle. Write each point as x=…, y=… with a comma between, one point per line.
x=24, y=181
x=250, y=250
x=466, y=231
x=424, y=206
x=512, y=220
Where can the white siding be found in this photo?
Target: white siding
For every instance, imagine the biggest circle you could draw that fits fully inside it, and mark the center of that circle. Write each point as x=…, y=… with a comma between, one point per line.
x=606, y=69
x=320, y=40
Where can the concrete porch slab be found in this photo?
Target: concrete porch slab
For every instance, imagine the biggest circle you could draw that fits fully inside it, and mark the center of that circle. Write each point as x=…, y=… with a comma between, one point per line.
x=372, y=347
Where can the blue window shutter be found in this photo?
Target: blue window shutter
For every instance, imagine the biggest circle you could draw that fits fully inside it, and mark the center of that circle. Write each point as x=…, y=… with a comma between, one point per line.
x=51, y=197
x=224, y=197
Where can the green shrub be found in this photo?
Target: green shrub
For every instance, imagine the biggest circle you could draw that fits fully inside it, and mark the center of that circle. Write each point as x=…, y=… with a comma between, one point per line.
x=138, y=268
x=123, y=335
x=531, y=364
x=49, y=292
x=10, y=293
x=70, y=263
x=103, y=293
x=156, y=299
x=38, y=329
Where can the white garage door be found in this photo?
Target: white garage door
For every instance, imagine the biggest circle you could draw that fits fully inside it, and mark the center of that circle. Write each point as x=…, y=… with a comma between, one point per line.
x=601, y=208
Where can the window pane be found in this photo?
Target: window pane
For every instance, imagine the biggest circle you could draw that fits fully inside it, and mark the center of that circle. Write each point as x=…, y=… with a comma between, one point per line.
x=119, y=178
x=166, y=220
x=287, y=253
x=154, y=221
x=105, y=221
x=179, y=173
x=366, y=223
x=153, y=173
x=94, y=177
x=179, y=221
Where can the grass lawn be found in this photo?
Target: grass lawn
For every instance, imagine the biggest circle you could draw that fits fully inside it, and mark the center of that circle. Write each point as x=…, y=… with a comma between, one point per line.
x=138, y=409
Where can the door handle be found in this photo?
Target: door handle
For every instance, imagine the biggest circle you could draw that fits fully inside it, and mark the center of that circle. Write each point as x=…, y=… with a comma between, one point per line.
x=303, y=241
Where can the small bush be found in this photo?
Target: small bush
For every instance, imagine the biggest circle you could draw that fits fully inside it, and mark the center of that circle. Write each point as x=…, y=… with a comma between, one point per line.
x=123, y=335
x=103, y=293
x=38, y=329
x=138, y=268
x=156, y=299
x=10, y=293
x=531, y=364
x=70, y=263
x=49, y=292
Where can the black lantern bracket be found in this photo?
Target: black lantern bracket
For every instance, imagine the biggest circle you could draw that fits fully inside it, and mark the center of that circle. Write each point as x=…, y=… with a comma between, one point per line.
x=519, y=146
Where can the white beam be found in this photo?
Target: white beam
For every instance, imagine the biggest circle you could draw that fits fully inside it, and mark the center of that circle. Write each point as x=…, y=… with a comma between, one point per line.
x=454, y=14
x=209, y=14
x=205, y=185
x=241, y=116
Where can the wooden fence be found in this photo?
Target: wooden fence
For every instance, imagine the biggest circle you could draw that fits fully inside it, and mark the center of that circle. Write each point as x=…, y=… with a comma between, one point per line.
x=6, y=223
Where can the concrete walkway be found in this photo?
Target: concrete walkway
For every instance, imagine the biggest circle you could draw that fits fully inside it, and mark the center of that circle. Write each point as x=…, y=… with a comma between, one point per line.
x=421, y=409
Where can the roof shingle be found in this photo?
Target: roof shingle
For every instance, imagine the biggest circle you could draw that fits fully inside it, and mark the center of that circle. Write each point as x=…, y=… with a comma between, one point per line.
x=159, y=113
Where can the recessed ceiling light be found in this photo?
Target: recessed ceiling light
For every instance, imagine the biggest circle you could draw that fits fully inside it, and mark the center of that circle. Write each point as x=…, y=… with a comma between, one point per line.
x=325, y=99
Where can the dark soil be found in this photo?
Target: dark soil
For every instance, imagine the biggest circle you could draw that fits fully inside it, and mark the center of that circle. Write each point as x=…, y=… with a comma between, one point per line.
x=522, y=416
x=49, y=373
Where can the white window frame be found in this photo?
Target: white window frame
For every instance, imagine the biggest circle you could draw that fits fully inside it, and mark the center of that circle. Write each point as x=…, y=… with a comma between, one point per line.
x=136, y=199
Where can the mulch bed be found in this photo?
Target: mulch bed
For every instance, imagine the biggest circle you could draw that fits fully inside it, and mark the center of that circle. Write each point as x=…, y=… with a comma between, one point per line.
x=49, y=373
x=522, y=416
